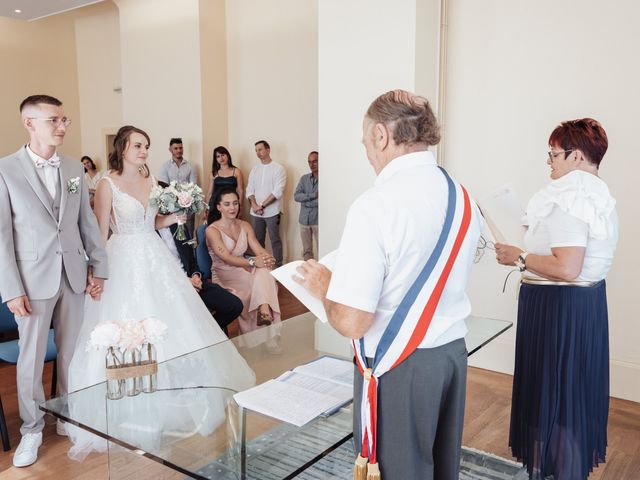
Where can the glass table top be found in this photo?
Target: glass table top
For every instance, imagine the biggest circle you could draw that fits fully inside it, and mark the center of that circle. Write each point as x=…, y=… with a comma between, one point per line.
x=192, y=425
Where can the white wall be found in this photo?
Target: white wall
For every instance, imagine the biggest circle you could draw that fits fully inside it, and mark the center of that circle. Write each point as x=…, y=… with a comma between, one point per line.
x=366, y=47
x=160, y=42
x=97, y=29
x=272, y=77
x=515, y=70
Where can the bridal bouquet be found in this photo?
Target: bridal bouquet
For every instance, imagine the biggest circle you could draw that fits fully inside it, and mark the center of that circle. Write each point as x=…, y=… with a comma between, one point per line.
x=127, y=335
x=179, y=198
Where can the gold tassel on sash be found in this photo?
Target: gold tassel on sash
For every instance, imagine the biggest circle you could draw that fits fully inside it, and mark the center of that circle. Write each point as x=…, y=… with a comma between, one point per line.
x=360, y=468
x=373, y=472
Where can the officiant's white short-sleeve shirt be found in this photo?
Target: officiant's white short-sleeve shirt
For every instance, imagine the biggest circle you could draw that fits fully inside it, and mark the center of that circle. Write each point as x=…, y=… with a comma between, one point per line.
x=391, y=230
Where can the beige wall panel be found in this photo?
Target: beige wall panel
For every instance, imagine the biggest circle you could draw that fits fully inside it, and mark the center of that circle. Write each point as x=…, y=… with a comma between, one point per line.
x=97, y=29
x=273, y=92
x=37, y=57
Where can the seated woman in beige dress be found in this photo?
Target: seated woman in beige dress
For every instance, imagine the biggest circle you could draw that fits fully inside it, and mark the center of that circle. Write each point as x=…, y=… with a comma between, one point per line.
x=228, y=238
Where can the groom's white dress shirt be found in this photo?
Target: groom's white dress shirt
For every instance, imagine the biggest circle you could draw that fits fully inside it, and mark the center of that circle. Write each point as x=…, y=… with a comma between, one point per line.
x=47, y=173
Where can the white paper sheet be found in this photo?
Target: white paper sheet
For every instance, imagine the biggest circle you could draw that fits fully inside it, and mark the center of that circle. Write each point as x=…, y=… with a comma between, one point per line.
x=317, y=388
x=285, y=275
x=329, y=368
x=289, y=403
x=503, y=213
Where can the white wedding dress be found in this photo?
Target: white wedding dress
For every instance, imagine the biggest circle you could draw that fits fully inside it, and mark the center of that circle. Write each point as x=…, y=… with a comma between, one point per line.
x=145, y=280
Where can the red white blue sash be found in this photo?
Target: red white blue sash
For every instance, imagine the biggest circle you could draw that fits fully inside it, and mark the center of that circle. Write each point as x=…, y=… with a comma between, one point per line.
x=408, y=325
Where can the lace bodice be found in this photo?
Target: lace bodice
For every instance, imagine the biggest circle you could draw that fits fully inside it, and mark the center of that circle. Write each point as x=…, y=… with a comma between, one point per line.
x=128, y=215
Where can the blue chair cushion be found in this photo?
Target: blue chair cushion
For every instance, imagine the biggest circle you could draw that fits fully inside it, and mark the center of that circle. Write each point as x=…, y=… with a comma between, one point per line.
x=202, y=253
x=9, y=350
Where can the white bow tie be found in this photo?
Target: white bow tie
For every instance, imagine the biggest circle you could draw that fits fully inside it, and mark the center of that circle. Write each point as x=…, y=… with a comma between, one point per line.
x=52, y=162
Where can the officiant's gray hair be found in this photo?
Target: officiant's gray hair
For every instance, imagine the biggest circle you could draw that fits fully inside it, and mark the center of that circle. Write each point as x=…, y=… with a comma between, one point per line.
x=408, y=117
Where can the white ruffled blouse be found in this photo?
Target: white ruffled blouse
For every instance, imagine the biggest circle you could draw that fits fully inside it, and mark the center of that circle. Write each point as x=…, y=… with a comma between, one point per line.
x=576, y=210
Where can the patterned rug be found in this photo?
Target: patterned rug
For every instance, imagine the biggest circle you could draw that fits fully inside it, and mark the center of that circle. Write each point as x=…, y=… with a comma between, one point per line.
x=271, y=454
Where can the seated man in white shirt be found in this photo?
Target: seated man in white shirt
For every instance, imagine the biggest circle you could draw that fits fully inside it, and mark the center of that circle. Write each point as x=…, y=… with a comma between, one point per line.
x=398, y=285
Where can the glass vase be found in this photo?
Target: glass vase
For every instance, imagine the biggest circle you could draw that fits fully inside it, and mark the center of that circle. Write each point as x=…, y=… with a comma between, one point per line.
x=115, y=388
x=148, y=356
x=132, y=385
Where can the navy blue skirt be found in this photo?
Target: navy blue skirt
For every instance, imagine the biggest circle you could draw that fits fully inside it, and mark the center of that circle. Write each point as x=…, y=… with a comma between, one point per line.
x=560, y=402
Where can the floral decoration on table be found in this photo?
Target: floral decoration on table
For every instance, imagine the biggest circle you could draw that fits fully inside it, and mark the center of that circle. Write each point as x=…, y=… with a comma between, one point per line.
x=127, y=334
x=131, y=363
x=178, y=198
x=73, y=184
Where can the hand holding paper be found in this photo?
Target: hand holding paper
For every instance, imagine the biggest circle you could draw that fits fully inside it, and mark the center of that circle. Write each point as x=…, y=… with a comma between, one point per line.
x=308, y=281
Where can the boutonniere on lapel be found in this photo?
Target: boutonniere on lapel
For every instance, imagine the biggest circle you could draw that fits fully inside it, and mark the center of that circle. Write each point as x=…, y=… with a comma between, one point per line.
x=73, y=185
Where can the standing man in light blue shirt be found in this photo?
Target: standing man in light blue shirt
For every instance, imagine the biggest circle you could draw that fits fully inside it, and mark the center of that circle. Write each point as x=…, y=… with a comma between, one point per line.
x=307, y=195
x=179, y=170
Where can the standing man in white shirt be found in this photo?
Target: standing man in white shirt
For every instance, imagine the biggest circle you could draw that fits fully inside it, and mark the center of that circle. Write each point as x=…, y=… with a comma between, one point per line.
x=264, y=191
x=179, y=169
x=398, y=289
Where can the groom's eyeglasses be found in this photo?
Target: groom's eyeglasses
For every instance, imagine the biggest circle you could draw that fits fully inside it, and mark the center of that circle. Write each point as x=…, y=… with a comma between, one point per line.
x=55, y=121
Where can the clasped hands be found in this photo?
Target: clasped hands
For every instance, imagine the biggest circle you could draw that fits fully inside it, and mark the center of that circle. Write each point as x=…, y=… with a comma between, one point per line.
x=95, y=286
x=265, y=260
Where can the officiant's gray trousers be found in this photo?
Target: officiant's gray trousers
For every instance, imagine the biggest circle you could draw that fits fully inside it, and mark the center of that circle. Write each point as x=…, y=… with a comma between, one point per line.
x=65, y=311
x=420, y=414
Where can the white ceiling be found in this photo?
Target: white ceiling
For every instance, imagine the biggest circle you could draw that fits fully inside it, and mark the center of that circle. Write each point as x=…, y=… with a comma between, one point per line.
x=35, y=9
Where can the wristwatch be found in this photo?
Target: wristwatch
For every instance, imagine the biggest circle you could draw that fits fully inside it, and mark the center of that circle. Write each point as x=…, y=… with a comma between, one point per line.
x=252, y=261
x=520, y=262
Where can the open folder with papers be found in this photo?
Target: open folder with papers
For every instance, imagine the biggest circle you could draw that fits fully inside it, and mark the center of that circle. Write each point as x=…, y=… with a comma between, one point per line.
x=298, y=396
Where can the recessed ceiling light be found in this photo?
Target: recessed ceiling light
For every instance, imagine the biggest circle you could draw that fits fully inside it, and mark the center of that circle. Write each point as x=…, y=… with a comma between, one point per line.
x=17, y=11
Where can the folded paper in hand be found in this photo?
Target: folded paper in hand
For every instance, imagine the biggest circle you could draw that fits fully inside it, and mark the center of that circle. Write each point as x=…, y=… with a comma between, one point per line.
x=285, y=275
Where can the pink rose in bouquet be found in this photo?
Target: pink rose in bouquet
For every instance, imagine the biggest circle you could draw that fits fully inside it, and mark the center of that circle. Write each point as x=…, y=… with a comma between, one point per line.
x=185, y=199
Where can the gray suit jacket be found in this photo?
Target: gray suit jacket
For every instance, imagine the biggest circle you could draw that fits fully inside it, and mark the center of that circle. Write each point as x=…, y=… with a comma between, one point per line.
x=34, y=243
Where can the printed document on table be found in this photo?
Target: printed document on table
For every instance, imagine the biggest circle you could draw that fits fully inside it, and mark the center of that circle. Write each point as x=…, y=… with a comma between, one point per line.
x=285, y=274
x=503, y=214
x=329, y=368
x=318, y=388
x=285, y=401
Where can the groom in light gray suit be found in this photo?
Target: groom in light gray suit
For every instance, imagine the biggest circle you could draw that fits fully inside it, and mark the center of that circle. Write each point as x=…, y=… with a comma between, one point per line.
x=51, y=254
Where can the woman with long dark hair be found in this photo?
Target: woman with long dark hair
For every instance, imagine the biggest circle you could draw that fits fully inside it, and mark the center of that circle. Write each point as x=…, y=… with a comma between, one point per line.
x=224, y=174
x=228, y=239
x=560, y=400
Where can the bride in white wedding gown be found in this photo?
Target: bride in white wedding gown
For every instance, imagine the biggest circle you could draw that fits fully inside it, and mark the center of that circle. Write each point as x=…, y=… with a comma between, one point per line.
x=145, y=280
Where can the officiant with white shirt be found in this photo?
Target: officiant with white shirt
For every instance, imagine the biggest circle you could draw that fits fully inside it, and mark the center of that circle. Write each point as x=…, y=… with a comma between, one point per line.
x=50, y=252
x=400, y=295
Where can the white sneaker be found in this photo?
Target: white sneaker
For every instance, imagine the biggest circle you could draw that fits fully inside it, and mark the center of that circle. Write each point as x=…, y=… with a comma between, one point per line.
x=27, y=452
x=61, y=428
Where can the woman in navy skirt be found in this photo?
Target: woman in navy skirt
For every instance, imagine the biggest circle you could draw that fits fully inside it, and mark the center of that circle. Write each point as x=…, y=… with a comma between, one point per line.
x=560, y=400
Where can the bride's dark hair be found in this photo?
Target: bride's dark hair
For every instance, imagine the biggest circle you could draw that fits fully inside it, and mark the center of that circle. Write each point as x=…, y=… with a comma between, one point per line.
x=120, y=143
x=214, y=213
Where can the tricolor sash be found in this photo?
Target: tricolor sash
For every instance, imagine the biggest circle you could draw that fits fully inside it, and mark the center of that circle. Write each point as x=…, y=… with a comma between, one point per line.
x=408, y=325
